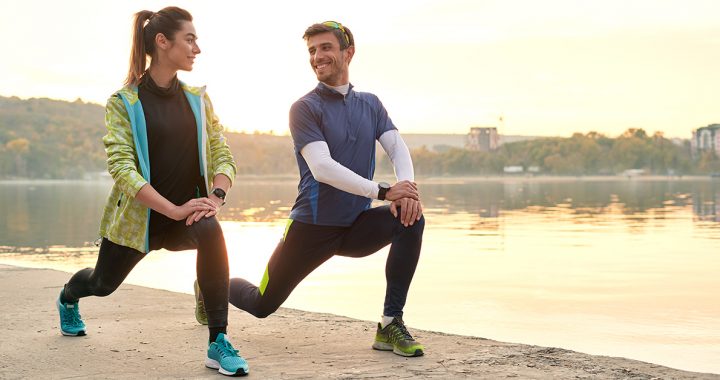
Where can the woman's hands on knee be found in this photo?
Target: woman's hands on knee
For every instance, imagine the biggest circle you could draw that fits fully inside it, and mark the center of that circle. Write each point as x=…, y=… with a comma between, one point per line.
x=193, y=210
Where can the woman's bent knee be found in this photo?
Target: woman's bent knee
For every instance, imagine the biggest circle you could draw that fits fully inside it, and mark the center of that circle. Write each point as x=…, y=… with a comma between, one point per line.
x=207, y=227
x=208, y=224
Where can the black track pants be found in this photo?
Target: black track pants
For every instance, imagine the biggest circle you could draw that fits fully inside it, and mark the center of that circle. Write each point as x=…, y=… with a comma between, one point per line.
x=116, y=261
x=306, y=246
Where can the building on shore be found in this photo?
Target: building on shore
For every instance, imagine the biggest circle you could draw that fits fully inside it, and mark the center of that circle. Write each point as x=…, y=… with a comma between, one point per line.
x=441, y=142
x=484, y=139
x=706, y=139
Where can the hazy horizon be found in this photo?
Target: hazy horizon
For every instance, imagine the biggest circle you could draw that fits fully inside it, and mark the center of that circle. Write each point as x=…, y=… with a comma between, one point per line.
x=548, y=69
x=286, y=133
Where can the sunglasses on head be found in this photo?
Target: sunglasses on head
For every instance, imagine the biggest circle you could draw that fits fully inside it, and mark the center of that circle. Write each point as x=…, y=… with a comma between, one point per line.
x=337, y=25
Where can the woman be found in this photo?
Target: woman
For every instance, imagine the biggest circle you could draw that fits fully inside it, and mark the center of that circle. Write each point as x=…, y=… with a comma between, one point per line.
x=172, y=169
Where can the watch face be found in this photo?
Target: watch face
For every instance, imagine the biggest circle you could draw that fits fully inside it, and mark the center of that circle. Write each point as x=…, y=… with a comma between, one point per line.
x=383, y=188
x=219, y=193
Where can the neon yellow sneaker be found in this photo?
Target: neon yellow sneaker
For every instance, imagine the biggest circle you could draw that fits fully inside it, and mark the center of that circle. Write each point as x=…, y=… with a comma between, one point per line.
x=395, y=337
x=200, y=313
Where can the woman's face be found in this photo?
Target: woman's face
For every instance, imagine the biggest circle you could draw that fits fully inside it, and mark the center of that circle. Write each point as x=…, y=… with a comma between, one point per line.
x=180, y=53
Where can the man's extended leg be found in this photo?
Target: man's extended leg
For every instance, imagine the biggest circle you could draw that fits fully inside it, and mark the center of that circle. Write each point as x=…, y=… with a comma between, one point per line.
x=303, y=248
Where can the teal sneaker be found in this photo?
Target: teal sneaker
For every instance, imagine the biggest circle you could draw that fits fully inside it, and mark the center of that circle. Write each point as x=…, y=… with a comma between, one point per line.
x=200, y=313
x=71, y=323
x=395, y=337
x=222, y=356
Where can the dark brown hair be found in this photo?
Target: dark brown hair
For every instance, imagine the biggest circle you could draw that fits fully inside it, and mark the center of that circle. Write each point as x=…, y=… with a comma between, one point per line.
x=318, y=28
x=146, y=26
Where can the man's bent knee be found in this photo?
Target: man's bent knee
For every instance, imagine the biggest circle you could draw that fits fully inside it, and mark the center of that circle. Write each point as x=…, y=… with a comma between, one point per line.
x=264, y=312
x=416, y=228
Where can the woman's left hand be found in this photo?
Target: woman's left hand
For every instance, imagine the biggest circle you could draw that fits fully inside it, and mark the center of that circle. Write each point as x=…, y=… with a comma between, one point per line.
x=197, y=215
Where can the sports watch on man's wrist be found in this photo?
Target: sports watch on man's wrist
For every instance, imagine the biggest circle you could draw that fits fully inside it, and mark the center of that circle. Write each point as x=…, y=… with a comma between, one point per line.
x=383, y=188
x=220, y=193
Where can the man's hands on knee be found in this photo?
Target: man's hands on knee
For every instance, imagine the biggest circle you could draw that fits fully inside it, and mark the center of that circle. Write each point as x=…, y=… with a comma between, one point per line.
x=405, y=196
x=410, y=210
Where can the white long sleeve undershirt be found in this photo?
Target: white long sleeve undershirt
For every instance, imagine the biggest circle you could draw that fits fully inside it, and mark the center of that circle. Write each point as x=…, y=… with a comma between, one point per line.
x=326, y=170
x=399, y=155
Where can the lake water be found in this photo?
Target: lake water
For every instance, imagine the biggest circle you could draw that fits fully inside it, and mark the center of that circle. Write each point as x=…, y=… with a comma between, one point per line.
x=605, y=266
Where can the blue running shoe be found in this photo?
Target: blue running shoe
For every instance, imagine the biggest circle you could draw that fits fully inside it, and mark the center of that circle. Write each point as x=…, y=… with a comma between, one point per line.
x=222, y=356
x=71, y=323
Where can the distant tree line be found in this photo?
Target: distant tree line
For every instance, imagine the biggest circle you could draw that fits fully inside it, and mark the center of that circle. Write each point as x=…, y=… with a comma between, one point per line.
x=51, y=139
x=581, y=154
x=43, y=138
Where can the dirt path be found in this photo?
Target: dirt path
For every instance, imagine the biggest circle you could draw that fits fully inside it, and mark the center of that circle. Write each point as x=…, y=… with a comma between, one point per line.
x=147, y=333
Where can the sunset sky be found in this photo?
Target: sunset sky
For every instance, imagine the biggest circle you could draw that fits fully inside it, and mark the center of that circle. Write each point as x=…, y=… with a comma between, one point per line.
x=548, y=68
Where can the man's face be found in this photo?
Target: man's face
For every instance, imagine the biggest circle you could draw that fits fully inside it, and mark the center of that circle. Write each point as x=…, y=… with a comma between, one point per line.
x=329, y=63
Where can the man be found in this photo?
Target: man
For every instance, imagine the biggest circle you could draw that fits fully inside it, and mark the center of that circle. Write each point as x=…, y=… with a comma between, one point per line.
x=334, y=130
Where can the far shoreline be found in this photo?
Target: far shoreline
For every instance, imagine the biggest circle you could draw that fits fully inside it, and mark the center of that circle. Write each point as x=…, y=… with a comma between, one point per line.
x=558, y=178
x=450, y=179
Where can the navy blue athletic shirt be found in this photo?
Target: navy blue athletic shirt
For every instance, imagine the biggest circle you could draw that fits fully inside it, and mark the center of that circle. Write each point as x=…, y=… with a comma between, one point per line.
x=349, y=125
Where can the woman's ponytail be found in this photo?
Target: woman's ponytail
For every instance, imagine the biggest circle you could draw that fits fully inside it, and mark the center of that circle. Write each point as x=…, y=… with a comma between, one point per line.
x=138, y=51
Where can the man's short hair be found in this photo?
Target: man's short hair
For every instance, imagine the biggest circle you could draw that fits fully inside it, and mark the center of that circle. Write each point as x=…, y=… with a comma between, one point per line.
x=341, y=32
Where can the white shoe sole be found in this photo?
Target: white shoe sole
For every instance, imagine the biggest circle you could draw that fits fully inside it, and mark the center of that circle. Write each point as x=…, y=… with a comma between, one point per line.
x=383, y=346
x=79, y=333
x=214, y=364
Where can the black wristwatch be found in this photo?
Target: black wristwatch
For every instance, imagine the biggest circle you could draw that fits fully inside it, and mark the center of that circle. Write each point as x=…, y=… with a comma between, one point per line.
x=220, y=193
x=383, y=188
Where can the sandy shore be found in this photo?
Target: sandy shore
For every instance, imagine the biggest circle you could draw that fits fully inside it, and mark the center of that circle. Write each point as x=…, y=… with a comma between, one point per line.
x=148, y=333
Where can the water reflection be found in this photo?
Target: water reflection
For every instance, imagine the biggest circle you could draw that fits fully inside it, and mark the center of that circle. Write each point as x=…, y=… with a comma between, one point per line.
x=706, y=202
x=42, y=214
x=621, y=268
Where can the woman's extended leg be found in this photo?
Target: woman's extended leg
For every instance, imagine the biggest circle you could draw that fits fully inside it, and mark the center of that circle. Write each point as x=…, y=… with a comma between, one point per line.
x=114, y=263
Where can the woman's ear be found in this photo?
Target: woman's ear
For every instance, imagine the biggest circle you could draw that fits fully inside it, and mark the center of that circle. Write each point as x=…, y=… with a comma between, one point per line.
x=161, y=41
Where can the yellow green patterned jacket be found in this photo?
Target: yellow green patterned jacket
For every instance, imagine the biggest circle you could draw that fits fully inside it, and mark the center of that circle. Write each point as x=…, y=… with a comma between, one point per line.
x=125, y=221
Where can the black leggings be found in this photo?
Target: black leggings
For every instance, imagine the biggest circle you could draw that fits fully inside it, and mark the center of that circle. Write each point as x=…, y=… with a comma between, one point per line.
x=306, y=246
x=116, y=261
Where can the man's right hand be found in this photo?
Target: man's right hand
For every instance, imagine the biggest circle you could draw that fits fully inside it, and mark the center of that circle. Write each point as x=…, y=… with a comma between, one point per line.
x=403, y=189
x=410, y=210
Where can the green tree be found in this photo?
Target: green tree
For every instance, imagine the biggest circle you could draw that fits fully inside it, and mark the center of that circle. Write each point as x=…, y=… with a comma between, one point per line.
x=19, y=149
